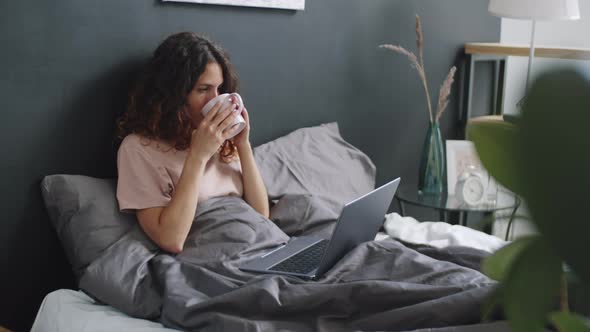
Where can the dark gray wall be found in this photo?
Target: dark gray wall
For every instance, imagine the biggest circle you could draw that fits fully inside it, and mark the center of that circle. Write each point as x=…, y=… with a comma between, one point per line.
x=65, y=67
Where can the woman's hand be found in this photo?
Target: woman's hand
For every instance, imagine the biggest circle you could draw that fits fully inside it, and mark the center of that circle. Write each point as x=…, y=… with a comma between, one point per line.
x=243, y=137
x=211, y=132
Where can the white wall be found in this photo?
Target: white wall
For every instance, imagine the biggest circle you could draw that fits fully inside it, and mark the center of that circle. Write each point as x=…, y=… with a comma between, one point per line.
x=548, y=33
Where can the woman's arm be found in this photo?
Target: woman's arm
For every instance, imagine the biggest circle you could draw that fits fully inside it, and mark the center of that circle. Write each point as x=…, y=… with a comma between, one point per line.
x=254, y=189
x=169, y=226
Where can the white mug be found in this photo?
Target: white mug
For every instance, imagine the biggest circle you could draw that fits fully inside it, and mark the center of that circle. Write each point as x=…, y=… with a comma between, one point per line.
x=227, y=99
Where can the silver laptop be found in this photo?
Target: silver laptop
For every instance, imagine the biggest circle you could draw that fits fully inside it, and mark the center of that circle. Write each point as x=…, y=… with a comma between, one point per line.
x=310, y=256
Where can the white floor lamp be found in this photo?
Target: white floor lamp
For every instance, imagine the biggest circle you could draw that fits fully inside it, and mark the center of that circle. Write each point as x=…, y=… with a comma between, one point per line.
x=535, y=10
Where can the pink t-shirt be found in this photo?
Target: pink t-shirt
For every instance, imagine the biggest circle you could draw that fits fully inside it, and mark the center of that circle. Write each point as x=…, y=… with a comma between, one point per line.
x=149, y=171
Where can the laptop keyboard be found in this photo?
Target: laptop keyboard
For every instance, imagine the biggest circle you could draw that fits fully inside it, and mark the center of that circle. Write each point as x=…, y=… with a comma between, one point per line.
x=303, y=262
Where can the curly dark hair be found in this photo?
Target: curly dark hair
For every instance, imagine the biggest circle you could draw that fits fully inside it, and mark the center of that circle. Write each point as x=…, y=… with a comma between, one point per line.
x=155, y=105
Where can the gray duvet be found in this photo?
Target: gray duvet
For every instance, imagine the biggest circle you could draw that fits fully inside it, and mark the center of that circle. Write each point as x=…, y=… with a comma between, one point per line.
x=383, y=285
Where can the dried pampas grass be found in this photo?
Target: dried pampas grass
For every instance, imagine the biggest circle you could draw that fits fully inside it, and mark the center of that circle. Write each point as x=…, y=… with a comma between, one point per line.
x=418, y=64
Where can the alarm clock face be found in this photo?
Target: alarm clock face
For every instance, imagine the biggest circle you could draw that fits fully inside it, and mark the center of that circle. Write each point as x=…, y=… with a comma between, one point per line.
x=473, y=190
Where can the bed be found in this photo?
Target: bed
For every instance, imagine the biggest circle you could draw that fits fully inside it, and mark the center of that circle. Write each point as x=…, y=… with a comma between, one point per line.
x=70, y=310
x=413, y=276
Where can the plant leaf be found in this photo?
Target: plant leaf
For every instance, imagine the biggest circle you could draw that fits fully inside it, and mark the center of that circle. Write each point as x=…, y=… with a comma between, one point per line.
x=555, y=152
x=498, y=265
x=494, y=140
x=531, y=287
x=569, y=322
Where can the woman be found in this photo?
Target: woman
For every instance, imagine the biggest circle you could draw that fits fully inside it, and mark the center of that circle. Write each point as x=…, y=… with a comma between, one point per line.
x=172, y=156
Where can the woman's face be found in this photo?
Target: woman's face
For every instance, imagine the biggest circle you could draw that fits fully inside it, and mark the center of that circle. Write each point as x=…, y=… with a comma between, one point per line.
x=206, y=88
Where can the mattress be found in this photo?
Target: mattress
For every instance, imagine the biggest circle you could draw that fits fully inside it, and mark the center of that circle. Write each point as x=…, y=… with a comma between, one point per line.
x=67, y=310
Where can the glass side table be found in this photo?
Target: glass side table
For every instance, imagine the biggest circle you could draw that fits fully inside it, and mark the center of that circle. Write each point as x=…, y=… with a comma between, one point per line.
x=445, y=203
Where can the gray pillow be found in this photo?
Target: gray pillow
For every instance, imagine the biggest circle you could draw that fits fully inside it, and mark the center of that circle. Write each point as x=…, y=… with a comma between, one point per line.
x=315, y=161
x=299, y=215
x=85, y=215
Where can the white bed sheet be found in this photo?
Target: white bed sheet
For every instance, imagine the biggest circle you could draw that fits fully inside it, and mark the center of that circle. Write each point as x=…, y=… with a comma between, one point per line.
x=439, y=234
x=68, y=310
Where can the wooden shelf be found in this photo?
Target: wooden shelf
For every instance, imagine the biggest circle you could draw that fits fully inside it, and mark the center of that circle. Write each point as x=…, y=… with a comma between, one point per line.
x=523, y=50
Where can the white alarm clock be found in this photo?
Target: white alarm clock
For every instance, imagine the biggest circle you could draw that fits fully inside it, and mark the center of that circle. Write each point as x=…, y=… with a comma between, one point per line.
x=471, y=188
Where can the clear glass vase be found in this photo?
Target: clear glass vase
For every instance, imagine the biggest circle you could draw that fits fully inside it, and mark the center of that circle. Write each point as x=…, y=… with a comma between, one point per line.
x=432, y=163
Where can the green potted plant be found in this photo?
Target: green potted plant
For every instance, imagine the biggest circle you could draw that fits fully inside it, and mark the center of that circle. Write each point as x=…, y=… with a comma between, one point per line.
x=544, y=156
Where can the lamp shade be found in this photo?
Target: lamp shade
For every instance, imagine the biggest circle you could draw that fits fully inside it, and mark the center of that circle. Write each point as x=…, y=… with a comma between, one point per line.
x=536, y=9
